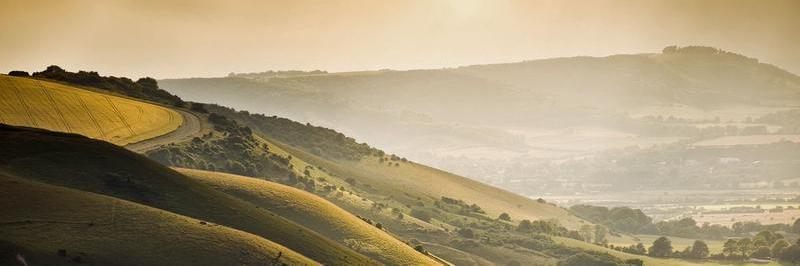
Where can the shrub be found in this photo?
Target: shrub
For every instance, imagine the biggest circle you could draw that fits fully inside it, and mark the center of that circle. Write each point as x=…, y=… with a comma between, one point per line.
x=466, y=233
x=421, y=214
x=634, y=262
x=662, y=247
x=18, y=73
x=761, y=253
x=583, y=259
x=505, y=217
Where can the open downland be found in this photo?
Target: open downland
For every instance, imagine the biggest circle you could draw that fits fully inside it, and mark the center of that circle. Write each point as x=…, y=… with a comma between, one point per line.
x=315, y=213
x=38, y=220
x=422, y=180
x=54, y=106
x=80, y=163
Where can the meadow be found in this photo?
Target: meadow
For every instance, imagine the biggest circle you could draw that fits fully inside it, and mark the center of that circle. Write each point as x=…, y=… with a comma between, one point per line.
x=54, y=106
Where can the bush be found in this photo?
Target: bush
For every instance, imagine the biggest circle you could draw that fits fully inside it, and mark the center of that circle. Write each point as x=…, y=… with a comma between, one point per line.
x=662, y=247
x=634, y=262
x=18, y=73
x=421, y=214
x=505, y=217
x=466, y=233
x=583, y=259
x=198, y=107
x=761, y=253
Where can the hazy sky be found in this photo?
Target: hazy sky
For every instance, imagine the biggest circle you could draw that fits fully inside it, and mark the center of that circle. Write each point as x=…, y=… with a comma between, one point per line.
x=211, y=38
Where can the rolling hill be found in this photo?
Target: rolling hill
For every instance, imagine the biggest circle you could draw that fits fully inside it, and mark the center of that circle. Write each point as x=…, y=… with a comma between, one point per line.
x=404, y=182
x=55, y=106
x=494, y=122
x=346, y=176
x=80, y=163
x=51, y=225
x=314, y=213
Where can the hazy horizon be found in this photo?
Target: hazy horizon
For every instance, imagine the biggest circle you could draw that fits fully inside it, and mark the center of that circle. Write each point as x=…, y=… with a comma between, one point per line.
x=205, y=39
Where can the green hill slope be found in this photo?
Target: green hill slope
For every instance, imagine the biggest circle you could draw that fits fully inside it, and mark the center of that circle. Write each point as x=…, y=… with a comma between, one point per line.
x=52, y=225
x=80, y=163
x=315, y=213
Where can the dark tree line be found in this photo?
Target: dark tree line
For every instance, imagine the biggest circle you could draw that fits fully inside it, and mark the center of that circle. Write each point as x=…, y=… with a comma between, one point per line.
x=143, y=88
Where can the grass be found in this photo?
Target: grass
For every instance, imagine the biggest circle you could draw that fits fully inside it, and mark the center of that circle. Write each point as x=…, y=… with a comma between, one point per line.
x=41, y=219
x=54, y=106
x=80, y=163
x=315, y=213
x=747, y=140
x=423, y=181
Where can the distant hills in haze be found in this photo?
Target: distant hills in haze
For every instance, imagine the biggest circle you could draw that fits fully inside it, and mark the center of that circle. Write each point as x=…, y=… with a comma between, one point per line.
x=506, y=111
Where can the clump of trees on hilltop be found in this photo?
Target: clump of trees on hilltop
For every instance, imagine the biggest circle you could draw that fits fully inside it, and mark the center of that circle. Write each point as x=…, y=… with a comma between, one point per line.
x=143, y=88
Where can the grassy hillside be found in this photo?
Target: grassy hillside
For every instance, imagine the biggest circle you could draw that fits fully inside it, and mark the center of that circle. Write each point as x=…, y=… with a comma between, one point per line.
x=80, y=163
x=58, y=226
x=316, y=214
x=416, y=180
x=58, y=107
x=391, y=175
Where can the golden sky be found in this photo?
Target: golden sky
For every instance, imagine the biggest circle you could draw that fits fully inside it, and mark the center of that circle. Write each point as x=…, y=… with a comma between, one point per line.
x=167, y=39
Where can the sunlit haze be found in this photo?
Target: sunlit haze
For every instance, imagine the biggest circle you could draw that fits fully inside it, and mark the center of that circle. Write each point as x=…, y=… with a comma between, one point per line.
x=169, y=39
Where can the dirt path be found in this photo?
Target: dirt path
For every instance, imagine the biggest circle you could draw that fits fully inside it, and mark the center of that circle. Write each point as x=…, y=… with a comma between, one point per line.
x=191, y=127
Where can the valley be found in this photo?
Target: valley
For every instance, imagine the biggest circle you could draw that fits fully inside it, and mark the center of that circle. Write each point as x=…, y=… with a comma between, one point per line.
x=316, y=195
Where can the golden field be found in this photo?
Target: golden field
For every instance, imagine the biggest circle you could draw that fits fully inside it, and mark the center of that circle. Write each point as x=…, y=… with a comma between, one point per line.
x=316, y=214
x=53, y=106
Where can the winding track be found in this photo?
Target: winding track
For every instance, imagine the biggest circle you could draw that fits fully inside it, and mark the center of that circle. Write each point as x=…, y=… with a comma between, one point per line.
x=191, y=127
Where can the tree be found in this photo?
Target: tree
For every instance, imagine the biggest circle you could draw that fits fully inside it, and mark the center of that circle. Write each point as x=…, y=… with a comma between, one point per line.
x=587, y=232
x=778, y=247
x=466, y=233
x=796, y=226
x=730, y=247
x=761, y=253
x=662, y=247
x=583, y=259
x=421, y=214
x=525, y=226
x=634, y=262
x=505, y=217
x=745, y=246
x=600, y=233
x=791, y=254
x=18, y=73
x=639, y=249
x=765, y=238
x=699, y=250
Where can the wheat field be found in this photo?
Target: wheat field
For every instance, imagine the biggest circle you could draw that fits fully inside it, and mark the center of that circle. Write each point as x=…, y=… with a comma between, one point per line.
x=53, y=106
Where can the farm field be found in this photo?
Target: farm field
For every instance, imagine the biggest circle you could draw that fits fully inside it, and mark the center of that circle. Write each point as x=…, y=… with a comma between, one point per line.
x=678, y=243
x=648, y=260
x=53, y=106
x=727, y=219
x=747, y=140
